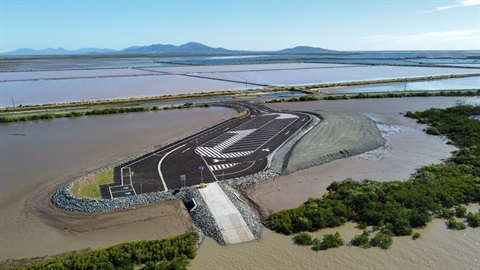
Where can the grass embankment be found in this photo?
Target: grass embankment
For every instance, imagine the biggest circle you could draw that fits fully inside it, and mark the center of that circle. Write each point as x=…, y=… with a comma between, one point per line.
x=170, y=253
x=394, y=208
x=90, y=188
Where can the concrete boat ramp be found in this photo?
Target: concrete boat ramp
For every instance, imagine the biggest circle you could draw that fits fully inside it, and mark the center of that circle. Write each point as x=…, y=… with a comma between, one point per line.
x=233, y=227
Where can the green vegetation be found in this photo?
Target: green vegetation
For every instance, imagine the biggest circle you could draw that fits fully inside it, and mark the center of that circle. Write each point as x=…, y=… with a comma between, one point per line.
x=397, y=207
x=381, y=240
x=170, y=253
x=452, y=223
x=399, y=94
x=303, y=239
x=329, y=241
x=90, y=188
x=473, y=219
x=107, y=111
x=361, y=240
x=416, y=236
x=445, y=213
x=460, y=211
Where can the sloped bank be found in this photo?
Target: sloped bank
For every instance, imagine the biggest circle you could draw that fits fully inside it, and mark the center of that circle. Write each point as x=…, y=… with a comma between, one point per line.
x=337, y=135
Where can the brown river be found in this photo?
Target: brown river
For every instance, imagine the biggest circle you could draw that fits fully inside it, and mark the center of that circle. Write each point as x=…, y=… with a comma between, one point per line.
x=38, y=155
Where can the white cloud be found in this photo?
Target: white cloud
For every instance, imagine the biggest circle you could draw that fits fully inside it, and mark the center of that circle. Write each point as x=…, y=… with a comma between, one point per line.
x=466, y=39
x=461, y=3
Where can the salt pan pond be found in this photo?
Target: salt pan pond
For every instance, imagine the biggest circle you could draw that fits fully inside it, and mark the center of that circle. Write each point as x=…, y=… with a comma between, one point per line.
x=41, y=88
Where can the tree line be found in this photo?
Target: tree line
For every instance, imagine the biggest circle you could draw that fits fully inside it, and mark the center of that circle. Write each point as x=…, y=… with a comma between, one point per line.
x=171, y=253
x=381, y=95
x=395, y=208
x=107, y=111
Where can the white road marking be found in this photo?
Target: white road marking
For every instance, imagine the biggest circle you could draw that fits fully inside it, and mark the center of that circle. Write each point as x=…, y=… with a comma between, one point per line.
x=160, y=164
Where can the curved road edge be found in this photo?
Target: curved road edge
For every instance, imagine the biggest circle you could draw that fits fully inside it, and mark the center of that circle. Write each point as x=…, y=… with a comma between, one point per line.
x=64, y=198
x=278, y=159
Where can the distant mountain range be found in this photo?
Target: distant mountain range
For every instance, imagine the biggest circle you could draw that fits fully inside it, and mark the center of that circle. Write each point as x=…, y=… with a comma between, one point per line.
x=187, y=48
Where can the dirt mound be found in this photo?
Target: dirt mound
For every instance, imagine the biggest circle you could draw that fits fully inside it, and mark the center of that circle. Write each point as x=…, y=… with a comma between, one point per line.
x=338, y=135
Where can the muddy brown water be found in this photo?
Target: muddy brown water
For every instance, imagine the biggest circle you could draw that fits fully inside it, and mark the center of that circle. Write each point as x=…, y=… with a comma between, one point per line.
x=439, y=248
x=52, y=152
x=35, y=157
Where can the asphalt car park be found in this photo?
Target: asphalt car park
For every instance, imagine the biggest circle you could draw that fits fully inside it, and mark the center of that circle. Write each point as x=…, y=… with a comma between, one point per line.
x=234, y=148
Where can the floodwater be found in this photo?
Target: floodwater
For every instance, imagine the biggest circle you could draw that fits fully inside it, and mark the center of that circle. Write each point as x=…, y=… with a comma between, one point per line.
x=70, y=143
x=459, y=84
x=39, y=155
x=439, y=248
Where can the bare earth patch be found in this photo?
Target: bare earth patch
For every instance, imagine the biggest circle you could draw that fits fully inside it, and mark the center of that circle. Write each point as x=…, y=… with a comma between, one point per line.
x=338, y=135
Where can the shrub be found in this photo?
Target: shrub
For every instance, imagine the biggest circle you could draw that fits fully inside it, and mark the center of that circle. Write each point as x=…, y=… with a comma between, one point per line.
x=433, y=131
x=361, y=240
x=329, y=241
x=416, y=235
x=460, y=211
x=303, y=239
x=402, y=227
x=473, y=219
x=445, y=213
x=381, y=240
x=452, y=223
x=362, y=225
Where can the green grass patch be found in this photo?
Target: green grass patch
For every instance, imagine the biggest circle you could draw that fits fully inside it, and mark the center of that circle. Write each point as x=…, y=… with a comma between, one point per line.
x=90, y=188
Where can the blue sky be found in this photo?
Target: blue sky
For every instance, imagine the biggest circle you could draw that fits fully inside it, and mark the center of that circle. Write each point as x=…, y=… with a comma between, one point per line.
x=242, y=25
